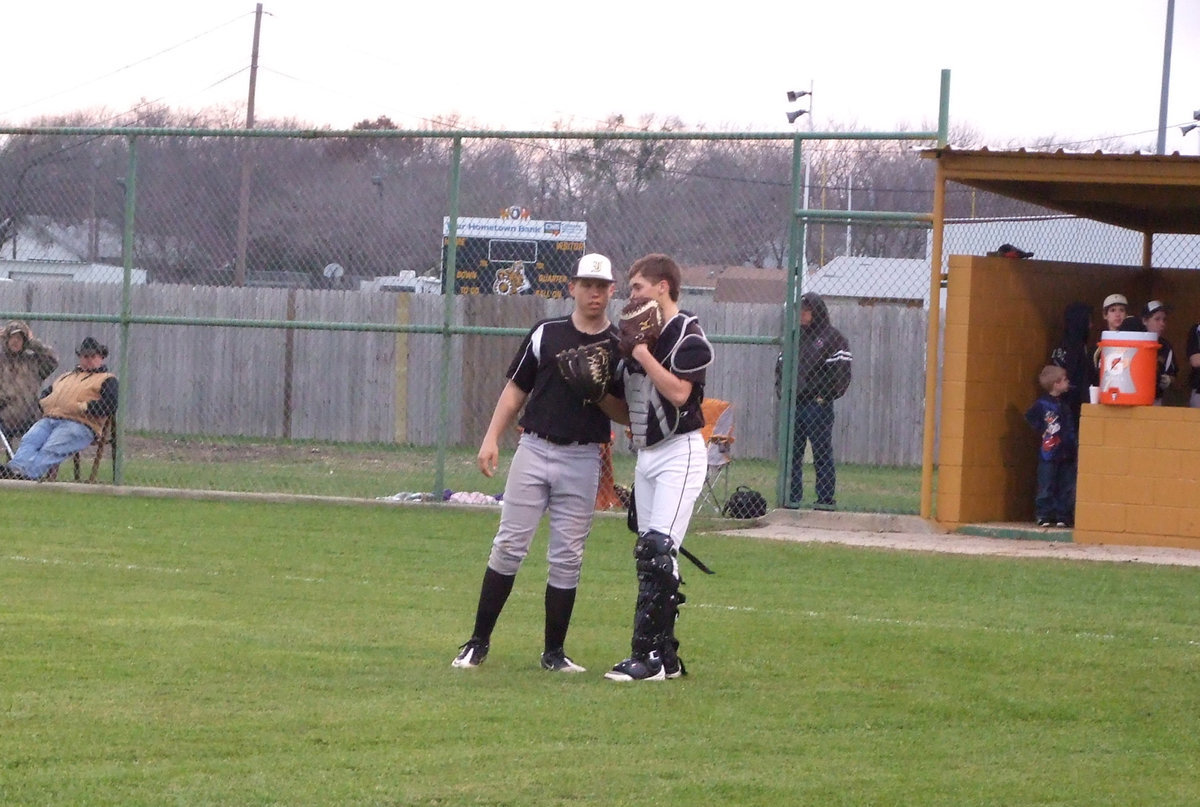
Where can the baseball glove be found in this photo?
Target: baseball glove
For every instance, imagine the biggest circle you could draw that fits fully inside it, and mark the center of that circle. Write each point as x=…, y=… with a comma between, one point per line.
x=587, y=370
x=640, y=323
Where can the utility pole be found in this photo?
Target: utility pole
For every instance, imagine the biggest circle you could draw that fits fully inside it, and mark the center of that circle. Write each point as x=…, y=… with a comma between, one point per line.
x=93, y=223
x=1166, y=79
x=849, y=205
x=243, y=223
x=824, y=187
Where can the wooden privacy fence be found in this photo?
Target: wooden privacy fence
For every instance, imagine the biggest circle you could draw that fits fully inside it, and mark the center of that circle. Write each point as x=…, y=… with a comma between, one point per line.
x=372, y=386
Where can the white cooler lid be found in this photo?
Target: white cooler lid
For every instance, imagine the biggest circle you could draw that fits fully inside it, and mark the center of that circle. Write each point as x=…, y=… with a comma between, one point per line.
x=1128, y=336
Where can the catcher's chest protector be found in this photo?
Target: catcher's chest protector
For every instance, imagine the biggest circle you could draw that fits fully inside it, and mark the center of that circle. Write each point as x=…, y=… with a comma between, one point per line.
x=638, y=391
x=653, y=419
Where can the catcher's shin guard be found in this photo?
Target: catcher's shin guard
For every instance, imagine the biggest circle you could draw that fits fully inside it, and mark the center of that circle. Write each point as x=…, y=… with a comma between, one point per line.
x=669, y=650
x=658, y=593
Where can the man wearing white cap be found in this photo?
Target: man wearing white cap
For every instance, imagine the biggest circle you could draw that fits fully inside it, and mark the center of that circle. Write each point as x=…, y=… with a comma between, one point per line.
x=1116, y=307
x=556, y=467
x=1154, y=317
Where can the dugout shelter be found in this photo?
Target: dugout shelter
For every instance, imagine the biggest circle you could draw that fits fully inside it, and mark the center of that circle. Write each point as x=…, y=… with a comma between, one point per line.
x=1139, y=466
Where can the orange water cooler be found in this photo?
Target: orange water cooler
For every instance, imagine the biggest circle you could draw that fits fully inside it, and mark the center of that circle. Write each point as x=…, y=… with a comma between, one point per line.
x=1128, y=368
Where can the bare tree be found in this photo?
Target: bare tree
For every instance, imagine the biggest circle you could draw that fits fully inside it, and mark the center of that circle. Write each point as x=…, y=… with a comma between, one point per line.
x=624, y=189
x=733, y=204
x=58, y=177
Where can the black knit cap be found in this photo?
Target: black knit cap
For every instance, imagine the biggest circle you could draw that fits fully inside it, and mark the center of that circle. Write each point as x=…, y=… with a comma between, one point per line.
x=89, y=346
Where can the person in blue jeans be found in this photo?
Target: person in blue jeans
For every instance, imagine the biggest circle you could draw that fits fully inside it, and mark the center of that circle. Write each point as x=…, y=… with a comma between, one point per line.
x=814, y=425
x=1050, y=415
x=74, y=408
x=822, y=376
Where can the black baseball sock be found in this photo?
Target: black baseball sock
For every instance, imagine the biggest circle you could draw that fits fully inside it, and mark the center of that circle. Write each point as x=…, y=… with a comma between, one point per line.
x=560, y=602
x=492, y=596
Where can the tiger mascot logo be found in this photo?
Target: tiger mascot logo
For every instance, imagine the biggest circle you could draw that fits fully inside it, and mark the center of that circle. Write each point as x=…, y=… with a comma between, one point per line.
x=512, y=280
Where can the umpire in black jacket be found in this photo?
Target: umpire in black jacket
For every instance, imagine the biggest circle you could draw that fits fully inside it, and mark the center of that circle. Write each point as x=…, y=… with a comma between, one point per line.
x=822, y=376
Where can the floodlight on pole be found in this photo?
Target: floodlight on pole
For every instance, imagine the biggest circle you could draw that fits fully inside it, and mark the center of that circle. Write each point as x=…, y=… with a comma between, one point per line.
x=1187, y=127
x=794, y=115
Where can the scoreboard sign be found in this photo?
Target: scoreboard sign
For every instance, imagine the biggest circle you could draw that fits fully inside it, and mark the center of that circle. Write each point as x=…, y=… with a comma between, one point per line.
x=514, y=254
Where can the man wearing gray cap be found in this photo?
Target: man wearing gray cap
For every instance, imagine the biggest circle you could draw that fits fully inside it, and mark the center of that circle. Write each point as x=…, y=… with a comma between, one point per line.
x=556, y=468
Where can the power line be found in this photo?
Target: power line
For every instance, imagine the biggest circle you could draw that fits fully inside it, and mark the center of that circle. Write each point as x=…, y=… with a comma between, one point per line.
x=129, y=66
x=356, y=52
x=145, y=102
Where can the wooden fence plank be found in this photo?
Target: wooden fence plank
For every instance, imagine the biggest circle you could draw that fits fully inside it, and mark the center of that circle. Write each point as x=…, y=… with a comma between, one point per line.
x=230, y=381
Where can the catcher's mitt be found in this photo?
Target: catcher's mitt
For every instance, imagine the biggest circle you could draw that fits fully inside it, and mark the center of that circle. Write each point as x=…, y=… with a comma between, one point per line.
x=640, y=322
x=587, y=370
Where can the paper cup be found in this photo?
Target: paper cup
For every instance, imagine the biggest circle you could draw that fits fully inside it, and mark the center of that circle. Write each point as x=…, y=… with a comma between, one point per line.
x=1094, y=395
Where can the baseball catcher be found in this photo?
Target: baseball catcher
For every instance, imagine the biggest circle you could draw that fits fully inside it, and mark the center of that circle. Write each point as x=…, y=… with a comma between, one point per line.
x=587, y=370
x=640, y=323
x=663, y=376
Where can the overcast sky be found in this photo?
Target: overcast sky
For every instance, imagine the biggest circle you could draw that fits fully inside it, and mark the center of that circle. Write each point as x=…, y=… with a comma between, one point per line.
x=1080, y=70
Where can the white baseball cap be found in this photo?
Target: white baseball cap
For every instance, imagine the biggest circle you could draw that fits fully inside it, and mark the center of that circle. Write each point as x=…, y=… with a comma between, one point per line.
x=1115, y=299
x=596, y=266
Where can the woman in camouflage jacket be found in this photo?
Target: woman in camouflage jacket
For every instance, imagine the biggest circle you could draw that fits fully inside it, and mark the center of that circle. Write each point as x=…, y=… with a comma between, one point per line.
x=25, y=363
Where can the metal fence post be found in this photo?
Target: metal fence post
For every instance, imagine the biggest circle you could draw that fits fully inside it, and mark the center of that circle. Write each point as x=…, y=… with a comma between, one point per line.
x=125, y=387
x=797, y=230
x=448, y=275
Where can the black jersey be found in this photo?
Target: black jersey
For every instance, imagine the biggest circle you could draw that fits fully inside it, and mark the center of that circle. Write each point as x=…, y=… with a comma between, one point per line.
x=553, y=409
x=1166, y=366
x=683, y=349
x=1193, y=347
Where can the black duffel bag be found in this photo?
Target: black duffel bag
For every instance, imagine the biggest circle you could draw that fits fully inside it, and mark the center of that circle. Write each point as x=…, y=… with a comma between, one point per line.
x=745, y=503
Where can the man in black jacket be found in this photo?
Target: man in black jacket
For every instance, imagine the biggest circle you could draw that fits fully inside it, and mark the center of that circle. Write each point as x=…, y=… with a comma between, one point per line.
x=1074, y=355
x=822, y=376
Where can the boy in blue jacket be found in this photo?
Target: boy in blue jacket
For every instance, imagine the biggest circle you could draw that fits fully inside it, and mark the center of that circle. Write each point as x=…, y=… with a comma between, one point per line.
x=1050, y=415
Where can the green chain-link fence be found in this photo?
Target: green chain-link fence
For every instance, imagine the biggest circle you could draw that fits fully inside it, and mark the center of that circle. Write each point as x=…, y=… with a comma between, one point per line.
x=278, y=312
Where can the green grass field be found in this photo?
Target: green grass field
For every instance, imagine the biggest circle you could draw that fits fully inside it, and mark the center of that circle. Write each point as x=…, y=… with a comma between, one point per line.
x=188, y=652
x=363, y=471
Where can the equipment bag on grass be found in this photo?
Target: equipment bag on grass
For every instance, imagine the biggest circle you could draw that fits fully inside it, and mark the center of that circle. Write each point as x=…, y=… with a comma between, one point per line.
x=745, y=503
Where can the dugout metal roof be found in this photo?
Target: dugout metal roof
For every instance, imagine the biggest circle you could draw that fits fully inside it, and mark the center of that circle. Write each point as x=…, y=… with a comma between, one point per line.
x=1143, y=192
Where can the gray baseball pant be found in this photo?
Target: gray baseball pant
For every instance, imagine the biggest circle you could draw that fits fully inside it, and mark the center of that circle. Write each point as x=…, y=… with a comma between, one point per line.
x=547, y=477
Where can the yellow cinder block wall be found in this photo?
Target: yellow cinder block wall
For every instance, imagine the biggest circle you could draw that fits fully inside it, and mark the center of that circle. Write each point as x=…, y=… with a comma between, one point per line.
x=1003, y=317
x=1139, y=480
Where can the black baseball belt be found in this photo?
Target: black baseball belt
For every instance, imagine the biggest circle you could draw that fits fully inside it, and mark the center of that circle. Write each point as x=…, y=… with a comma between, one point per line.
x=559, y=441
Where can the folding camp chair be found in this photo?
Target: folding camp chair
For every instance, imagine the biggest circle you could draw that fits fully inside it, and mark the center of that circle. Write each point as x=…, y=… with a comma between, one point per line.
x=106, y=439
x=718, y=437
